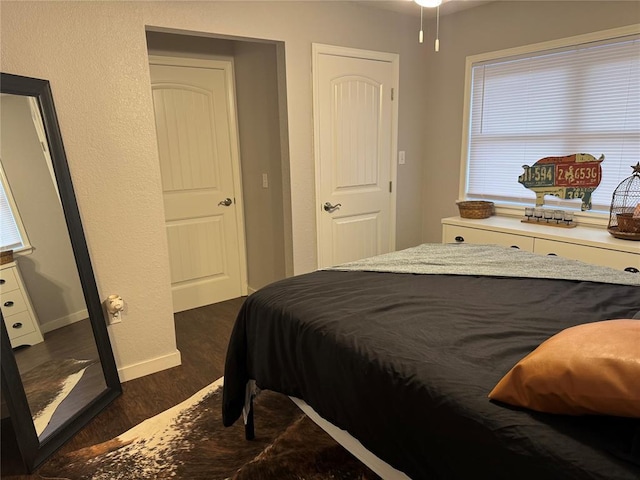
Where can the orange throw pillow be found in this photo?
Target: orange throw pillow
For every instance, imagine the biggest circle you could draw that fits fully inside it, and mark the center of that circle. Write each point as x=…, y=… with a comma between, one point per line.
x=592, y=368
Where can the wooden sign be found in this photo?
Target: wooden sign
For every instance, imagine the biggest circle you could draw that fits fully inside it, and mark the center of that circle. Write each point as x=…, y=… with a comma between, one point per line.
x=569, y=177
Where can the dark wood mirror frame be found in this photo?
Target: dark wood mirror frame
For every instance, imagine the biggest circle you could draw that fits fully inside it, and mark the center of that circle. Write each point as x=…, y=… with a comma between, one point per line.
x=33, y=451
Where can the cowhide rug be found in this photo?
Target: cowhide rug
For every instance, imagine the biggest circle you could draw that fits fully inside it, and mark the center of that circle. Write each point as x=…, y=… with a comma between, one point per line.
x=48, y=384
x=189, y=441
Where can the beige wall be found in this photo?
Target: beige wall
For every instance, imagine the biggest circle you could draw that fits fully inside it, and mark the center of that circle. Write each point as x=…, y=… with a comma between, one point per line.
x=49, y=271
x=95, y=56
x=495, y=26
x=260, y=149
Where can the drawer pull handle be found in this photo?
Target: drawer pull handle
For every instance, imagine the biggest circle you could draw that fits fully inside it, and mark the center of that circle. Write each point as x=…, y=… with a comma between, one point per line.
x=8, y=304
x=515, y=246
x=459, y=239
x=2, y=281
x=17, y=325
x=552, y=254
x=632, y=270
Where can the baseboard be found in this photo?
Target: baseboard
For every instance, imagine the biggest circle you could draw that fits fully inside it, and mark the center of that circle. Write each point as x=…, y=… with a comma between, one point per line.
x=64, y=321
x=251, y=290
x=137, y=370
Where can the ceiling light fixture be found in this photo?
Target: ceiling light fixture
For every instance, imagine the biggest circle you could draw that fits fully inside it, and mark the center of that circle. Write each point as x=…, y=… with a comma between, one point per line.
x=430, y=4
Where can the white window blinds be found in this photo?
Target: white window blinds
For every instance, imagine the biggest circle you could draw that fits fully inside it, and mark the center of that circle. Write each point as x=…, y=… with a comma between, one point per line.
x=581, y=99
x=11, y=231
x=9, y=234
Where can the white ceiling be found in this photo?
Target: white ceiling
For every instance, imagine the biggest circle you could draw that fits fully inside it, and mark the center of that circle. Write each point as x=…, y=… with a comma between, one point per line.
x=409, y=7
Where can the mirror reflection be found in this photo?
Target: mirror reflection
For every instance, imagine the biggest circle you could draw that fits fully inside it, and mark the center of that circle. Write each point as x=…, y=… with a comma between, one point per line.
x=43, y=304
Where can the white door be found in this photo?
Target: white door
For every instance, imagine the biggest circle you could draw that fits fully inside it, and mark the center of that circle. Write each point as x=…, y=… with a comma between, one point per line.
x=197, y=142
x=355, y=141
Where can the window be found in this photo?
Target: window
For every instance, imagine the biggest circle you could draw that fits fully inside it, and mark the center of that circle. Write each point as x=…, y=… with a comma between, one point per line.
x=581, y=96
x=12, y=233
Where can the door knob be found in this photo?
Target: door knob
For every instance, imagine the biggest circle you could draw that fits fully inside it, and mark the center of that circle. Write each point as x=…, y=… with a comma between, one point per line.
x=226, y=202
x=330, y=208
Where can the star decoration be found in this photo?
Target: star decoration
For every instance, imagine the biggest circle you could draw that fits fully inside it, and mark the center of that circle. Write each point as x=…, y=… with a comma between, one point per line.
x=636, y=169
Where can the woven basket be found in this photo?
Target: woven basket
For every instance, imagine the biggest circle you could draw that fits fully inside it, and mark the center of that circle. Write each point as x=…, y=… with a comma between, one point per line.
x=627, y=223
x=475, y=209
x=6, y=257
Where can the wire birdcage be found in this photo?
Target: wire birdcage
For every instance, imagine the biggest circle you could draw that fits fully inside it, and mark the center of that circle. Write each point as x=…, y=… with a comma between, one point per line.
x=625, y=201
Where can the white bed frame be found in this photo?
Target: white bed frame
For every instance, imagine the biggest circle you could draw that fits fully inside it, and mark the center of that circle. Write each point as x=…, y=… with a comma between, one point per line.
x=382, y=468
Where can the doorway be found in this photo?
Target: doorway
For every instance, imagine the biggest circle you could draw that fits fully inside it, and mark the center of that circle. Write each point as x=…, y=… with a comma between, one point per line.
x=262, y=140
x=195, y=116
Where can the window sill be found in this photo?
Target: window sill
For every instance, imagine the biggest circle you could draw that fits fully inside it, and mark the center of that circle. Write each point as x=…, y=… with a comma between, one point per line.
x=586, y=219
x=23, y=251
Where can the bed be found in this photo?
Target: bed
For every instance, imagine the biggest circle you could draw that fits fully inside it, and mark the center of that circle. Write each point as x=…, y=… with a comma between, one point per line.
x=402, y=350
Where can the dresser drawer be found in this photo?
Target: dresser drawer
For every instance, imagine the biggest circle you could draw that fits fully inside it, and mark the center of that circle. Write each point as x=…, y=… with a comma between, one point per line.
x=456, y=234
x=19, y=317
x=19, y=324
x=12, y=302
x=586, y=244
x=593, y=255
x=8, y=280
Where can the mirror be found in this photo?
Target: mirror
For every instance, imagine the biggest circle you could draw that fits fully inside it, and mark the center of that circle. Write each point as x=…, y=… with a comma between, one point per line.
x=58, y=369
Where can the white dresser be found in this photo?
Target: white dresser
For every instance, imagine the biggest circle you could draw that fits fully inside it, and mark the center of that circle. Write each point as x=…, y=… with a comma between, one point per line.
x=19, y=317
x=590, y=245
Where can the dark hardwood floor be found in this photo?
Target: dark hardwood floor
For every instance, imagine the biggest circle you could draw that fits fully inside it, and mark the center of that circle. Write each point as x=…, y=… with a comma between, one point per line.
x=73, y=341
x=202, y=336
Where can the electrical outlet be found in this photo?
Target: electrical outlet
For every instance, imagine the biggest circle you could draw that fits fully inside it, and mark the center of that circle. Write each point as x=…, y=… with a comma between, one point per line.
x=265, y=180
x=114, y=306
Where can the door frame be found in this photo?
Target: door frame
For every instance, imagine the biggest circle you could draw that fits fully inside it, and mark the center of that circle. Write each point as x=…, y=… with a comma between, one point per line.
x=392, y=58
x=226, y=64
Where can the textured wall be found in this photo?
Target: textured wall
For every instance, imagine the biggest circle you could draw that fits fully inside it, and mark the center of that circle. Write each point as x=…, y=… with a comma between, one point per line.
x=257, y=94
x=94, y=54
x=495, y=26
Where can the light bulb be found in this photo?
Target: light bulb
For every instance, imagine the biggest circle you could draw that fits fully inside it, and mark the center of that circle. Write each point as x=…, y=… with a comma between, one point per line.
x=428, y=3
